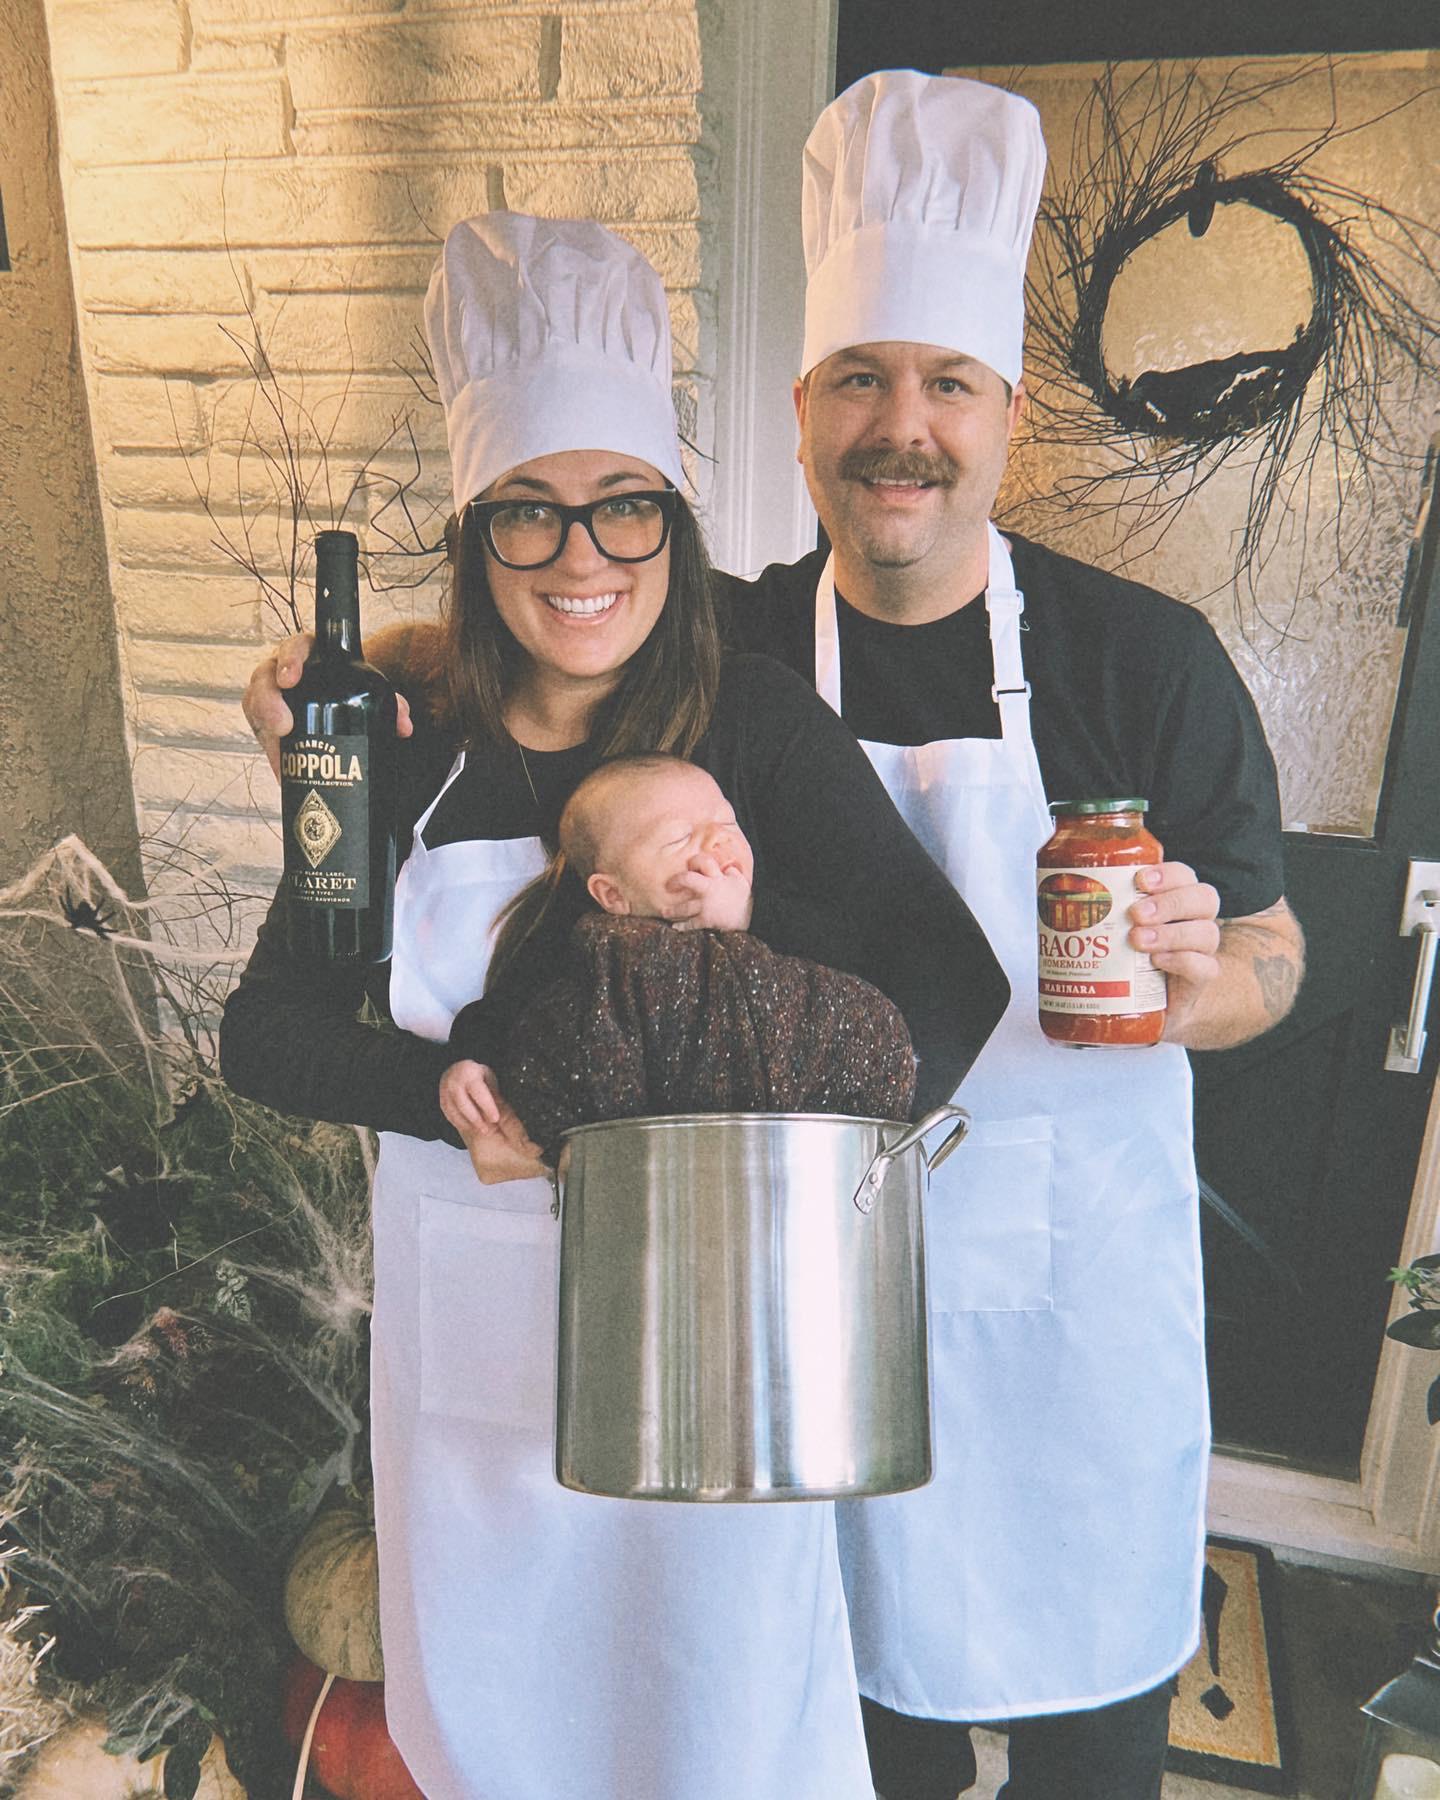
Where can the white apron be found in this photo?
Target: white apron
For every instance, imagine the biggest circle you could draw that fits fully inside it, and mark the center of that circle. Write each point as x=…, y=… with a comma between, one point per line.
x=1054, y=1562
x=542, y=1644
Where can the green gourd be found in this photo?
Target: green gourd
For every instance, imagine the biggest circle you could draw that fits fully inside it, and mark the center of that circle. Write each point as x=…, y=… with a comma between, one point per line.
x=332, y=1595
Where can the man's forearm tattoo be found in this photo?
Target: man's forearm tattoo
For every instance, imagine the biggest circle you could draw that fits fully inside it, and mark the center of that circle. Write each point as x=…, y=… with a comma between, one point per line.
x=1277, y=968
x=1277, y=978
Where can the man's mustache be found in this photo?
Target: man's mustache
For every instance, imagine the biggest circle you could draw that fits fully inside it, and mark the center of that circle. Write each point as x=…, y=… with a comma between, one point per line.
x=899, y=465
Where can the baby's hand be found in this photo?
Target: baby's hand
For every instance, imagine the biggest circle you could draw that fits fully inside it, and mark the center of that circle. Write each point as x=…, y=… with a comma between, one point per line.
x=505, y=1153
x=713, y=899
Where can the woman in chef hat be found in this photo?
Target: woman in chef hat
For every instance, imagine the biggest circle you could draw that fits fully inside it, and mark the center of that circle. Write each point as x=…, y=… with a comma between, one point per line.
x=542, y=1644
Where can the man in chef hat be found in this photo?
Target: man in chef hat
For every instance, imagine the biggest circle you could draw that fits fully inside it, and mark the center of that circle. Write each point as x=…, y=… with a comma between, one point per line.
x=1050, y=1574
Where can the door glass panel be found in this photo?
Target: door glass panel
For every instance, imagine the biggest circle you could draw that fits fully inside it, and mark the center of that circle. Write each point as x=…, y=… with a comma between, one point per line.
x=1313, y=621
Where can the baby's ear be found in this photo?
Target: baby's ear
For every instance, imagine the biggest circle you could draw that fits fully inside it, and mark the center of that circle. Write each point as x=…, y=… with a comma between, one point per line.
x=606, y=895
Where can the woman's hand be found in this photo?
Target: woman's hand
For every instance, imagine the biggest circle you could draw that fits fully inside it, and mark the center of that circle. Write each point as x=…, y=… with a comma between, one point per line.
x=709, y=898
x=500, y=1147
x=267, y=712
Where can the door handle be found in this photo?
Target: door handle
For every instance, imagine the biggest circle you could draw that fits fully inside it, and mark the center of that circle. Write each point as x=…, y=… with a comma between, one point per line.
x=1419, y=917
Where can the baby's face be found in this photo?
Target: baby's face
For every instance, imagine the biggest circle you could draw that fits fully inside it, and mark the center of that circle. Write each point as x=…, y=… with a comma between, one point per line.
x=658, y=824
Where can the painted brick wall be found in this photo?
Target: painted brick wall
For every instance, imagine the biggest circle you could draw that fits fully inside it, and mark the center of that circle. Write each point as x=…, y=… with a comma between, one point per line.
x=282, y=171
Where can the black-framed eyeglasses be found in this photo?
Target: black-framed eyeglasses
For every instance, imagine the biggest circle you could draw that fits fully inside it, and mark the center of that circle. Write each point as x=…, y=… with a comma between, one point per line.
x=528, y=534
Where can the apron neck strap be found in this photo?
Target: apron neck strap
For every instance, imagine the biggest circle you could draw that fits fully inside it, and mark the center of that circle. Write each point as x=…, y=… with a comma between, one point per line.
x=1004, y=603
x=827, y=637
x=424, y=819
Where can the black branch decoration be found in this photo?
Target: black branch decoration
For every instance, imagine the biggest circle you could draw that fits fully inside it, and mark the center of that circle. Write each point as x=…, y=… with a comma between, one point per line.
x=1164, y=145
x=285, y=447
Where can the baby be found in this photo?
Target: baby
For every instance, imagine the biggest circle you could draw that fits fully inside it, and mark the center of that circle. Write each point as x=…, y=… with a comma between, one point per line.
x=653, y=837
x=667, y=1003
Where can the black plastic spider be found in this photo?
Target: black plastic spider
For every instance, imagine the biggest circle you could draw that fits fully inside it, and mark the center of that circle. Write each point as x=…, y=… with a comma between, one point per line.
x=82, y=915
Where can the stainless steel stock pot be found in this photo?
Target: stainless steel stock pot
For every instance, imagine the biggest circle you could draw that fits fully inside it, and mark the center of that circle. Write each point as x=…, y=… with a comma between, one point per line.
x=742, y=1306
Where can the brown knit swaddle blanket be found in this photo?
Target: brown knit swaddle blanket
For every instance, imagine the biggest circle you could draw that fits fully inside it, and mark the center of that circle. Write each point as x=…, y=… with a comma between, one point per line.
x=650, y=1020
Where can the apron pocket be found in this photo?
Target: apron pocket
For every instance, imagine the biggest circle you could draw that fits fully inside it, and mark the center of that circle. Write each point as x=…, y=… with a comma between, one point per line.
x=488, y=1312
x=987, y=1220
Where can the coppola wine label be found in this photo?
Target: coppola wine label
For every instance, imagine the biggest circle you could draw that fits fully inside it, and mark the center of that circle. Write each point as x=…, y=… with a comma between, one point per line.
x=338, y=780
x=1094, y=988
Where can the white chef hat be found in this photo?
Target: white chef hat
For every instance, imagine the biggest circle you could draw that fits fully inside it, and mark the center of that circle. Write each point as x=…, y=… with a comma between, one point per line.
x=546, y=335
x=919, y=196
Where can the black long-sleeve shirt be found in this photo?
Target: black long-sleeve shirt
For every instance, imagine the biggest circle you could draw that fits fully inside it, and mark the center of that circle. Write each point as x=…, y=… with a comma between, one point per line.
x=1133, y=693
x=838, y=879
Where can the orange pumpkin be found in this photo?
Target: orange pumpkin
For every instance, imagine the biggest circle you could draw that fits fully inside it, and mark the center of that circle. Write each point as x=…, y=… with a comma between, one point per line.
x=332, y=1595
x=351, y=1754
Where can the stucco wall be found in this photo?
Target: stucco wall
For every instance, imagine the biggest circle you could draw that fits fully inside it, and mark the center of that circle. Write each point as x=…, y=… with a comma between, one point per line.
x=62, y=740
x=288, y=167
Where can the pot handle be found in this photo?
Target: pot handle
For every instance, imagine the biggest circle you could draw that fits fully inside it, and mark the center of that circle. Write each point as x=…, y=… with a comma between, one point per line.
x=874, y=1177
x=557, y=1180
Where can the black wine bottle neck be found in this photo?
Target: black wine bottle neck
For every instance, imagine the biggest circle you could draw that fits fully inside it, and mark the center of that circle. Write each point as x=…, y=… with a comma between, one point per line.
x=337, y=595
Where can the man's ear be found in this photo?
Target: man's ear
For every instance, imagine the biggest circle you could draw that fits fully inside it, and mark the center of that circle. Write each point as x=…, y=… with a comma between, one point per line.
x=800, y=394
x=1018, y=400
x=606, y=895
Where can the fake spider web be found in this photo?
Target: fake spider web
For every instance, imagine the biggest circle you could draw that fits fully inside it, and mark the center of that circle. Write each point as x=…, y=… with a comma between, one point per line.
x=184, y=1307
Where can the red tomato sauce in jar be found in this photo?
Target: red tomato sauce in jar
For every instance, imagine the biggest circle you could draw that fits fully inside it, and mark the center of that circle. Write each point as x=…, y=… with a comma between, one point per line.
x=1095, y=990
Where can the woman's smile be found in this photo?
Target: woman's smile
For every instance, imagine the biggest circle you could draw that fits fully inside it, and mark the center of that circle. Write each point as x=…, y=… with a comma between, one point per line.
x=582, y=606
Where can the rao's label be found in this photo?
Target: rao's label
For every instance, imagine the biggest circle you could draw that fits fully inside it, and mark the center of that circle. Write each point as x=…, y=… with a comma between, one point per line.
x=1087, y=964
x=324, y=806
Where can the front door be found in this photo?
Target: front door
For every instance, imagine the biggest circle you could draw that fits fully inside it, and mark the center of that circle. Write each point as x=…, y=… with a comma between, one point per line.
x=1308, y=1139
x=1311, y=1149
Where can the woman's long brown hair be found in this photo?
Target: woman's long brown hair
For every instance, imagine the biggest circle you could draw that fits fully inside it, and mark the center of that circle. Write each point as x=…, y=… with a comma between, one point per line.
x=663, y=701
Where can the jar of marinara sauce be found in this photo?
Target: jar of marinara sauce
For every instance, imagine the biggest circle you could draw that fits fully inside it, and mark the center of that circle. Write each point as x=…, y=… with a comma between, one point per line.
x=1094, y=988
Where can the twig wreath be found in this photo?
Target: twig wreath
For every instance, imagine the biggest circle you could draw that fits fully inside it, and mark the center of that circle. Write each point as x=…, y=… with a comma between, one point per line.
x=1160, y=146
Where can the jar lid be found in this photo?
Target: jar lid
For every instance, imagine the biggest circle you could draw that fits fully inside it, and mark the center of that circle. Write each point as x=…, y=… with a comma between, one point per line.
x=1097, y=806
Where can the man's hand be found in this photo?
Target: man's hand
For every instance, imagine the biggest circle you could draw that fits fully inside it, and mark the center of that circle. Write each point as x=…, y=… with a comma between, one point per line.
x=1229, y=980
x=1176, y=925
x=499, y=1145
x=709, y=898
x=266, y=710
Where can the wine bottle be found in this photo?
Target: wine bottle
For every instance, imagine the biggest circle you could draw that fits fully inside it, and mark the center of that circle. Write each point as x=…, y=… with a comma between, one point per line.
x=338, y=780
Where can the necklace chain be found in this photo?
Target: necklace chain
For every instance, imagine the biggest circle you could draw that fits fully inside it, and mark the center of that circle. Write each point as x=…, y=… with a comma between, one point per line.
x=528, y=782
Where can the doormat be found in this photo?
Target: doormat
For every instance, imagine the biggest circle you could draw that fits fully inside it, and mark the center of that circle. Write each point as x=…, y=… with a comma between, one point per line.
x=1230, y=1720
